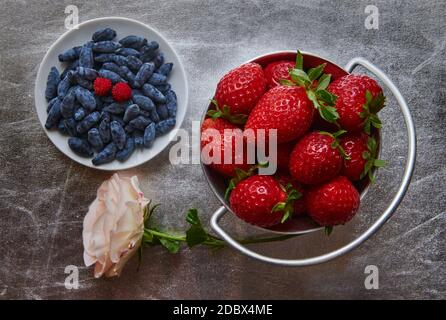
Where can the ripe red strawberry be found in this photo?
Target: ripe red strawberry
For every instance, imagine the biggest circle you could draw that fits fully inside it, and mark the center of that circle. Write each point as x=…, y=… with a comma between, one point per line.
x=360, y=98
x=226, y=140
x=299, y=204
x=285, y=108
x=283, y=156
x=316, y=158
x=278, y=70
x=102, y=86
x=254, y=199
x=361, y=149
x=332, y=203
x=241, y=88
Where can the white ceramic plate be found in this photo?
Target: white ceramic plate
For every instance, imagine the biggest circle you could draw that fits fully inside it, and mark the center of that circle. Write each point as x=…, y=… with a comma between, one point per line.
x=123, y=27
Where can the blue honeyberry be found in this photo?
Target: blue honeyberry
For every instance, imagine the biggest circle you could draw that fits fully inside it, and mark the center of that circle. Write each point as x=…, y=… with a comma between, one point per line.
x=162, y=111
x=144, y=73
x=165, y=69
x=157, y=79
x=118, y=134
x=140, y=123
x=153, y=93
x=127, y=52
x=54, y=115
x=88, y=122
x=106, y=155
x=67, y=105
x=116, y=107
x=154, y=116
x=158, y=60
x=144, y=102
x=95, y=140
x=106, y=46
x=73, y=66
x=85, y=98
x=61, y=127
x=80, y=146
x=133, y=63
x=164, y=88
x=139, y=141
x=86, y=56
x=131, y=112
x=114, y=77
x=149, y=135
x=164, y=126
x=50, y=104
x=125, y=153
x=86, y=73
x=70, y=54
x=104, y=130
x=148, y=51
x=79, y=113
x=132, y=41
x=70, y=126
x=65, y=85
x=51, y=83
x=103, y=34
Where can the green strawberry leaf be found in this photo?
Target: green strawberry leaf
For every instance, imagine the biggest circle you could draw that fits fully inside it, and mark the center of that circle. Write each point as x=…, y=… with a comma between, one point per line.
x=328, y=230
x=316, y=72
x=329, y=114
x=379, y=163
x=225, y=113
x=324, y=81
x=299, y=61
x=300, y=77
x=286, y=82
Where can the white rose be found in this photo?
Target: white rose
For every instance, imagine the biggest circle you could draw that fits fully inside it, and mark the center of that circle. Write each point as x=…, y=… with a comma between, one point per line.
x=114, y=225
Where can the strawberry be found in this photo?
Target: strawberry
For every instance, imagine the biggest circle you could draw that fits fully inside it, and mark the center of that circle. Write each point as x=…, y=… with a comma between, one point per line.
x=278, y=70
x=360, y=98
x=316, y=158
x=299, y=203
x=226, y=139
x=285, y=108
x=332, y=203
x=241, y=88
x=315, y=83
x=283, y=156
x=260, y=200
x=361, y=149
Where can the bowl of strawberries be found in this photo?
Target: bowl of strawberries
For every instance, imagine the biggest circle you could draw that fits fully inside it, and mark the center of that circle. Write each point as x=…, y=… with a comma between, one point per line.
x=290, y=143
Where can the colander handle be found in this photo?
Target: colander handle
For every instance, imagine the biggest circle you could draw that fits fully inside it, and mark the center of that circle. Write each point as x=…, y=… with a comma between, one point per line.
x=411, y=154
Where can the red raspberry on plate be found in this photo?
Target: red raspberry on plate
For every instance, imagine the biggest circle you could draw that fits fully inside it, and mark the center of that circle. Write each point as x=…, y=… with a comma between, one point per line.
x=121, y=92
x=102, y=86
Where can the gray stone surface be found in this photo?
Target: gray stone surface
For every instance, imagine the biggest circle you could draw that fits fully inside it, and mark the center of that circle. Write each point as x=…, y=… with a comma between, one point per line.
x=44, y=195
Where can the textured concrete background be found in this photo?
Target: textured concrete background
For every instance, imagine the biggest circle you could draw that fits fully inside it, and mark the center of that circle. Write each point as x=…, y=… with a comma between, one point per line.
x=44, y=195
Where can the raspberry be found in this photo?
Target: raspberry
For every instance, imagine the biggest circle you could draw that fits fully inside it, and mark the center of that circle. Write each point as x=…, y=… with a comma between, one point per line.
x=121, y=92
x=102, y=86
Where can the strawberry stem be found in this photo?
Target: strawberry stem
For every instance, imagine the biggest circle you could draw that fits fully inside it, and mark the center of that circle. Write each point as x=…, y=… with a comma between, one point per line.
x=322, y=100
x=225, y=113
